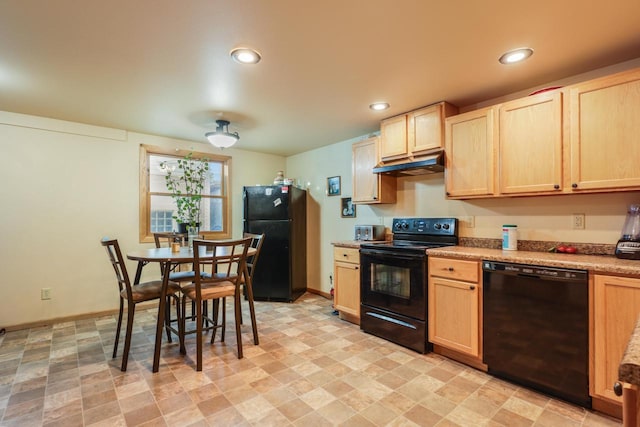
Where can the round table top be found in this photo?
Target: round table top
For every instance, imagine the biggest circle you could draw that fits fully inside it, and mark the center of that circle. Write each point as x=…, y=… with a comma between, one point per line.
x=184, y=255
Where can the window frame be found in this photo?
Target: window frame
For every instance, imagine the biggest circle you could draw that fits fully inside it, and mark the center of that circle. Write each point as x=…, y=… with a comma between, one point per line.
x=145, y=234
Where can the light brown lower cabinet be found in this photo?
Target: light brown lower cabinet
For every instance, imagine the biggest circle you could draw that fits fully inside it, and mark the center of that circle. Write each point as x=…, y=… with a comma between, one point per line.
x=455, y=295
x=616, y=307
x=346, y=283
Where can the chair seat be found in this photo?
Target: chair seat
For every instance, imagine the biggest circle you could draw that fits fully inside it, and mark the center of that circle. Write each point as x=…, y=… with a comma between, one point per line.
x=149, y=290
x=186, y=276
x=211, y=290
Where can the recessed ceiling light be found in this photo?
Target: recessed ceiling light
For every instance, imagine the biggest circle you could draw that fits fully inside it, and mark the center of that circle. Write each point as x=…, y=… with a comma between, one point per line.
x=379, y=106
x=245, y=55
x=516, y=55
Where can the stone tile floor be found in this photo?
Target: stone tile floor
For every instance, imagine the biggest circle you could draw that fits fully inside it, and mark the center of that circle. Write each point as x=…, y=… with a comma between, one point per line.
x=310, y=369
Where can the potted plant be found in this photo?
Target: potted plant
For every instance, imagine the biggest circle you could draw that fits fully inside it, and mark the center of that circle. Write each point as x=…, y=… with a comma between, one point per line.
x=186, y=181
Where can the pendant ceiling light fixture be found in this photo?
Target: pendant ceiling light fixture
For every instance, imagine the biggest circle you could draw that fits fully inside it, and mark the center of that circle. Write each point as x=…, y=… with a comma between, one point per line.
x=221, y=137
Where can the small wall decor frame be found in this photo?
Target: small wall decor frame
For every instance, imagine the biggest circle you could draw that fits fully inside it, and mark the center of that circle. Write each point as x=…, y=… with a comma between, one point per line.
x=347, y=208
x=333, y=186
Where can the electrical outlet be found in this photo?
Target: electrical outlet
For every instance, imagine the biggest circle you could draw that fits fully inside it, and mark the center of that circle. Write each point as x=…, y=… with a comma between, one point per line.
x=45, y=293
x=467, y=221
x=578, y=222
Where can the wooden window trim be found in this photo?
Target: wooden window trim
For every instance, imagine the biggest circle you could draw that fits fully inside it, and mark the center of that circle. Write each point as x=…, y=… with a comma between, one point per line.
x=145, y=234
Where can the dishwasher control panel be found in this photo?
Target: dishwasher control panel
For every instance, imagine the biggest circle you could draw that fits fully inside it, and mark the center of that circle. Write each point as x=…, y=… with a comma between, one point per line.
x=535, y=270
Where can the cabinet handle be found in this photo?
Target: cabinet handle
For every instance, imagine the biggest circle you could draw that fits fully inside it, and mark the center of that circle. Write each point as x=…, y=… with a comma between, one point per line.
x=447, y=193
x=574, y=185
x=450, y=268
x=472, y=287
x=345, y=255
x=357, y=267
x=617, y=388
x=556, y=187
x=375, y=198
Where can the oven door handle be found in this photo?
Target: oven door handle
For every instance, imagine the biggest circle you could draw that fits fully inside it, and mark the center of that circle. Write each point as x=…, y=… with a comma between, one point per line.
x=388, y=254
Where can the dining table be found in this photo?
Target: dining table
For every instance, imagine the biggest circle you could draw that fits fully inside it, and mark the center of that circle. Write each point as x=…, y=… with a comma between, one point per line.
x=168, y=259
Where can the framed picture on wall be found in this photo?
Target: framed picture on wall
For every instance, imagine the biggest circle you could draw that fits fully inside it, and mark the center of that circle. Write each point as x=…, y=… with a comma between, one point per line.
x=347, y=208
x=333, y=186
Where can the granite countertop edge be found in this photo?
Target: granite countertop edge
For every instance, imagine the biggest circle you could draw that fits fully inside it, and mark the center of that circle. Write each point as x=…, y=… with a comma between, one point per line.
x=629, y=369
x=592, y=263
x=607, y=264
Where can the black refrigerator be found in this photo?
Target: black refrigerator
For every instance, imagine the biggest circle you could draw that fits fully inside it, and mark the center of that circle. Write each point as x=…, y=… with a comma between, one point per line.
x=280, y=212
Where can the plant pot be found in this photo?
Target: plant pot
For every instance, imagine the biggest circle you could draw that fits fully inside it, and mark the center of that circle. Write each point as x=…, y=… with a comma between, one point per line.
x=183, y=228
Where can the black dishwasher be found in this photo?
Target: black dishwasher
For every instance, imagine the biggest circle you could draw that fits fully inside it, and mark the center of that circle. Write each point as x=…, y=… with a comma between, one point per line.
x=536, y=328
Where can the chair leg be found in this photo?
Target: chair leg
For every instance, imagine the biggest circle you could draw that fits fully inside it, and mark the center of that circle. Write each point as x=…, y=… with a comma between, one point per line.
x=115, y=344
x=237, y=309
x=199, y=336
x=224, y=318
x=215, y=306
x=183, y=321
x=167, y=318
x=131, y=309
x=205, y=313
x=179, y=321
x=252, y=310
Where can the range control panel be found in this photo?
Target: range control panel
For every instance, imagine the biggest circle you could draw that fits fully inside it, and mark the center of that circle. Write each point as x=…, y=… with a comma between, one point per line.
x=433, y=226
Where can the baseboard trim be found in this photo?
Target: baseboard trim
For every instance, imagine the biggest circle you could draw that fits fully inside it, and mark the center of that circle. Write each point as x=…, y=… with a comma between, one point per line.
x=318, y=292
x=49, y=322
x=607, y=407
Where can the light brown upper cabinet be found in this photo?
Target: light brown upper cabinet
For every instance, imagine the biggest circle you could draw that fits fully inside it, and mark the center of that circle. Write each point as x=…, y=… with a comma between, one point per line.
x=582, y=138
x=470, y=139
x=413, y=134
x=530, y=144
x=369, y=187
x=605, y=133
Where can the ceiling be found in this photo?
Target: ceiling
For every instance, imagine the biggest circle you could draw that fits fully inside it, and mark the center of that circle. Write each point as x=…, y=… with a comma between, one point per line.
x=162, y=67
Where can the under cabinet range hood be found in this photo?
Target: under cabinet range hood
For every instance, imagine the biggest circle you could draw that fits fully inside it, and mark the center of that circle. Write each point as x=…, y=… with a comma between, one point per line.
x=430, y=164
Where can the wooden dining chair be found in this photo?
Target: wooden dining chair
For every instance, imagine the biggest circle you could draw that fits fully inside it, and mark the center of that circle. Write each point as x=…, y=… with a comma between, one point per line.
x=134, y=294
x=164, y=240
x=225, y=261
x=183, y=272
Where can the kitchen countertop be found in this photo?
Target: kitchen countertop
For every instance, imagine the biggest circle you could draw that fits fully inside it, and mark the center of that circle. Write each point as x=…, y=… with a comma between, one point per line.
x=354, y=243
x=629, y=369
x=593, y=263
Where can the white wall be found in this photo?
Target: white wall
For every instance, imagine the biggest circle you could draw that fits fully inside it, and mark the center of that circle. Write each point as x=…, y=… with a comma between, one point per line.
x=65, y=186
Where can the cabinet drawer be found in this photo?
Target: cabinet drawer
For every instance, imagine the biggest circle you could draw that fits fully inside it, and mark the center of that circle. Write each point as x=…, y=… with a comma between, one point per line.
x=454, y=269
x=351, y=255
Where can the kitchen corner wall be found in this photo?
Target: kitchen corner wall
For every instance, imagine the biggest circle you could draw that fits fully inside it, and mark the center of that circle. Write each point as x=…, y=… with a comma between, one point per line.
x=546, y=218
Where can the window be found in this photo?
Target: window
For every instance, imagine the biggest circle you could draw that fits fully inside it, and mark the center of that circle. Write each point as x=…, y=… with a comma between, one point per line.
x=161, y=220
x=157, y=206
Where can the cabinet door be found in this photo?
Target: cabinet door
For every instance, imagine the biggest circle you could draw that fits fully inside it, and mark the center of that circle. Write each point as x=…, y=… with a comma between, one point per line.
x=530, y=147
x=469, y=154
x=393, y=138
x=453, y=315
x=616, y=310
x=605, y=124
x=347, y=288
x=368, y=187
x=425, y=130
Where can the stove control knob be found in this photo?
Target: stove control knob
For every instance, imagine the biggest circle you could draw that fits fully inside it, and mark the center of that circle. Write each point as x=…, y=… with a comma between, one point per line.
x=396, y=226
x=445, y=226
x=404, y=225
x=437, y=226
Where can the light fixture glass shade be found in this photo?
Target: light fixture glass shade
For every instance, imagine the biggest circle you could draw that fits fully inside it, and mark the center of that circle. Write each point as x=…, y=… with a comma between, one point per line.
x=379, y=106
x=245, y=55
x=516, y=55
x=221, y=137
